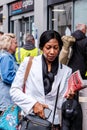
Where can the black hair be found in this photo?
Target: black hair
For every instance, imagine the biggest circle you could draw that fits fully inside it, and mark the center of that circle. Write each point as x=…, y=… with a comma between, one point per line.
x=48, y=35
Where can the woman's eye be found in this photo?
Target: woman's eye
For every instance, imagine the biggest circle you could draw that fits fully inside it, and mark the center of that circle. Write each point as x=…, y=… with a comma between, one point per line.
x=56, y=47
x=48, y=47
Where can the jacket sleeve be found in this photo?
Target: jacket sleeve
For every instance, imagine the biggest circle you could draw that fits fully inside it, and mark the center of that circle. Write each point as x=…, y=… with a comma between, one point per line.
x=64, y=85
x=8, y=70
x=24, y=101
x=63, y=57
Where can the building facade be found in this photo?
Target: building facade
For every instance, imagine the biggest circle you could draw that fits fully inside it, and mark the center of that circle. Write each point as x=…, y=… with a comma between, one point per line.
x=35, y=16
x=23, y=16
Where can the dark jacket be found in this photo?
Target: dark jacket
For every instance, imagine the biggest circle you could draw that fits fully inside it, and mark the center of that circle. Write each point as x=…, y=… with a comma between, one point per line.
x=29, y=46
x=79, y=55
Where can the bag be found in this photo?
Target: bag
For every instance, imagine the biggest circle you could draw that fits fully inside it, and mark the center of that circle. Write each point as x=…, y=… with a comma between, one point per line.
x=71, y=115
x=33, y=122
x=9, y=119
x=69, y=109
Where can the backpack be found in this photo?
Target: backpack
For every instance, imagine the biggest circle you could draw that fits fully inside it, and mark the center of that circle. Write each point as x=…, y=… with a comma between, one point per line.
x=71, y=115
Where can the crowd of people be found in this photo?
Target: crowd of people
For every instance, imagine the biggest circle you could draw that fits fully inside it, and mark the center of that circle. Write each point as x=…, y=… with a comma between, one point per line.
x=53, y=63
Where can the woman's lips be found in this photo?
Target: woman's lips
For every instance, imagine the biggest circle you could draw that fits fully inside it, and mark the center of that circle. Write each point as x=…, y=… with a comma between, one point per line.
x=51, y=57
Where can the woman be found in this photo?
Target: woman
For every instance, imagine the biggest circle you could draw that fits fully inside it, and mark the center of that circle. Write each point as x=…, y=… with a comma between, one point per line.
x=45, y=75
x=8, y=67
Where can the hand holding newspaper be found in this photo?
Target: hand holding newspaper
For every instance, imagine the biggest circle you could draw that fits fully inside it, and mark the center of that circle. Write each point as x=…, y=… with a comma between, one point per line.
x=75, y=83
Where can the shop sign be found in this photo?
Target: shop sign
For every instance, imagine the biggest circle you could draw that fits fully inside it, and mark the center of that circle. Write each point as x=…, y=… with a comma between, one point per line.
x=27, y=3
x=21, y=6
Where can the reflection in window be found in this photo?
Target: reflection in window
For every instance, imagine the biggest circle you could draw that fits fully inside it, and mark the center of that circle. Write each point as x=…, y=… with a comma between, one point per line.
x=62, y=17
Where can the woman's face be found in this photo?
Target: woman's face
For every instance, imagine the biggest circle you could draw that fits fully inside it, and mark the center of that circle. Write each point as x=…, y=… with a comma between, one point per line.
x=13, y=45
x=51, y=50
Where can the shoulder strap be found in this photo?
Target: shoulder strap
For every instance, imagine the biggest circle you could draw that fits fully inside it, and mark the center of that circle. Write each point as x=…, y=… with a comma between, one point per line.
x=55, y=104
x=28, y=68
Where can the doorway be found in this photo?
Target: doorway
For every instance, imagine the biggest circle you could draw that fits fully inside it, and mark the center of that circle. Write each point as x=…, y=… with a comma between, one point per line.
x=26, y=26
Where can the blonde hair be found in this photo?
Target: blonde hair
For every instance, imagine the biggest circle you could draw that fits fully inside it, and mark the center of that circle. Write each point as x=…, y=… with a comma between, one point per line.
x=6, y=40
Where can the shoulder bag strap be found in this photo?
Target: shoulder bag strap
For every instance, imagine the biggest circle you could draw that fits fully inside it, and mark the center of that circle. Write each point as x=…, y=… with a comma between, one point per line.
x=55, y=104
x=56, y=101
x=27, y=71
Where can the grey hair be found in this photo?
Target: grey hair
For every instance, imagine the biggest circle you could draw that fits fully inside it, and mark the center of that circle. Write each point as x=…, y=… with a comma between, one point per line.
x=6, y=40
x=29, y=37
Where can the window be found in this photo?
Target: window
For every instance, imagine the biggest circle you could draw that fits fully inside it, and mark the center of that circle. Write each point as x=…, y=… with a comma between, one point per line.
x=61, y=17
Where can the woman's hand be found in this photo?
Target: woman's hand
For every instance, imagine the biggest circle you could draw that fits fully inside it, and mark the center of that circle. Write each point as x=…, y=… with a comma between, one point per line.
x=70, y=94
x=38, y=109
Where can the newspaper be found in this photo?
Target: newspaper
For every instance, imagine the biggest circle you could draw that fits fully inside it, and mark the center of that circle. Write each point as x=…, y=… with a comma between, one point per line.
x=75, y=83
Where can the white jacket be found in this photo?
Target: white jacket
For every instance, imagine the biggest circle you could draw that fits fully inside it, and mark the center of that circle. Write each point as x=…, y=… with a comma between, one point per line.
x=35, y=88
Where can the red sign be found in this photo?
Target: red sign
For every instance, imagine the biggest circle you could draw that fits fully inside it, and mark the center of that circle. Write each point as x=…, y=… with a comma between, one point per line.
x=16, y=6
x=21, y=6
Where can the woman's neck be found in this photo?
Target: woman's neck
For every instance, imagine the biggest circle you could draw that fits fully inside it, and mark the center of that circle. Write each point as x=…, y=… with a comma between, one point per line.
x=49, y=66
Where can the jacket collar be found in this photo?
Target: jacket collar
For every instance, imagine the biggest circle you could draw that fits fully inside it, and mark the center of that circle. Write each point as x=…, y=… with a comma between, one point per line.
x=29, y=46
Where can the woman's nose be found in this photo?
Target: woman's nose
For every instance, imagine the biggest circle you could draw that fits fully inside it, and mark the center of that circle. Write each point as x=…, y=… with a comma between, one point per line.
x=51, y=50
